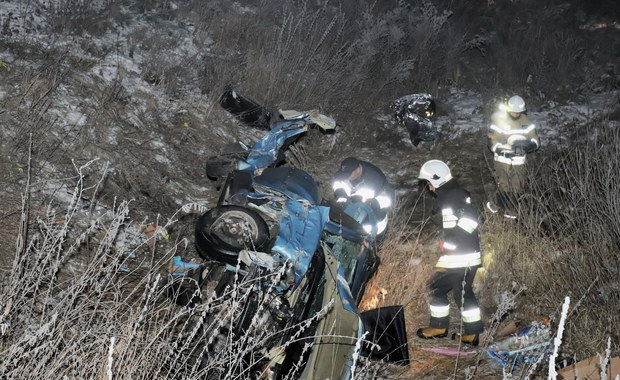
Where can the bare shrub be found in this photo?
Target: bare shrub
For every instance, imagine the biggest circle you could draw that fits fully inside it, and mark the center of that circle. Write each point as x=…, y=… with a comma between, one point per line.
x=326, y=56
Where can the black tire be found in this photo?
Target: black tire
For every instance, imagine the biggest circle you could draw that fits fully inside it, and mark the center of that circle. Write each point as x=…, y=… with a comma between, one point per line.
x=225, y=230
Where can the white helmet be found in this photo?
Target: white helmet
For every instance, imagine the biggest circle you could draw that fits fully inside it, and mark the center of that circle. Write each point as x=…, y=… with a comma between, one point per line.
x=516, y=104
x=436, y=172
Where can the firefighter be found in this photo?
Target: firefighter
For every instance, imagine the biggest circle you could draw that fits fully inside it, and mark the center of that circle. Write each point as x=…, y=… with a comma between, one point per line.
x=459, y=258
x=359, y=183
x=512, y=136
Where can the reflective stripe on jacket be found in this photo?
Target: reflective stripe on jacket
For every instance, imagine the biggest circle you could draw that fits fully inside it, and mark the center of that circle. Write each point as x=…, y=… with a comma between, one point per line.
x=460, y=243
x=460, y=260
x=505, y=131
x=372, y=184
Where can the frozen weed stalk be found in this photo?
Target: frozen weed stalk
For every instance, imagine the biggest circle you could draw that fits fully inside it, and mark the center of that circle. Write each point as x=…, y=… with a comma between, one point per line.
x=558, y=340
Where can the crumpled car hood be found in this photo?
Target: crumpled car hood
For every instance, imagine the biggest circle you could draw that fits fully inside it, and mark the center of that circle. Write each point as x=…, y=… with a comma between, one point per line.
x=294, y=183
x=301, y=226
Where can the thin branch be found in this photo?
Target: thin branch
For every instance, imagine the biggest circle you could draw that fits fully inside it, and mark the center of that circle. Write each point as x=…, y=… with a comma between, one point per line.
x=22, y=236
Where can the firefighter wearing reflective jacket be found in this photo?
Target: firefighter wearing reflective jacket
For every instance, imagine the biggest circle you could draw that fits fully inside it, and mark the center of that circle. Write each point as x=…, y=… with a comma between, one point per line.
x=511, y=137
x=459, y=258
x=360, y=183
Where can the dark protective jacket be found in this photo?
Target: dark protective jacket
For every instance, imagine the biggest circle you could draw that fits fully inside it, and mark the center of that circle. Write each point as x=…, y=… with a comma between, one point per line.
x=458, y=218
x=371, y=187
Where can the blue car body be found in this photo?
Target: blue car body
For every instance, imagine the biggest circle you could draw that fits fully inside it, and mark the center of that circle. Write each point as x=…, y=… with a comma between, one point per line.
x=302, y=218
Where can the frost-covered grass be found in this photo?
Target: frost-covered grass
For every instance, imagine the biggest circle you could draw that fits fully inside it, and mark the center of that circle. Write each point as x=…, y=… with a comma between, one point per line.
x=75, y=303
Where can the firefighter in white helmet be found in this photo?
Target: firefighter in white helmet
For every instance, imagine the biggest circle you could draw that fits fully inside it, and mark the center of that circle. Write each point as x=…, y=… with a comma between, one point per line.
x=359, y=183
x=459, y=255
x=512, y=136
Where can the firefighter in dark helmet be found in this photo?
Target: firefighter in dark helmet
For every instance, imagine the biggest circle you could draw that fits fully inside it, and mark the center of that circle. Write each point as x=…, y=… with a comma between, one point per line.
x=360, y=182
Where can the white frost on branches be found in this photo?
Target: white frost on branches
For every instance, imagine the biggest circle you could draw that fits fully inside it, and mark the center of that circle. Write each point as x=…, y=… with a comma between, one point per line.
x=558, y=340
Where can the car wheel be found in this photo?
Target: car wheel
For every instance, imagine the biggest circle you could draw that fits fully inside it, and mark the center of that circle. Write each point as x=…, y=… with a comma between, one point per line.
x=225, y=230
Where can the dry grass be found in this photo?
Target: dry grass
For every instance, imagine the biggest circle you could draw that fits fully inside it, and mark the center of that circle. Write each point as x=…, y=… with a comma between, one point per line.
x=566, y=243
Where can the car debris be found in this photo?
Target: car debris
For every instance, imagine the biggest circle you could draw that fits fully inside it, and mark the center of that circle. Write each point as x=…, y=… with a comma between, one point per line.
x=414, y=112
x=527, y=345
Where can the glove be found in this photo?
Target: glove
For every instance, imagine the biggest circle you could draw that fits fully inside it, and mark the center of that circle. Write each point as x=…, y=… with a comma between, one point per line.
x=530, y=147
x=374, y=205
x=340, y=194
x=355, y=199
x=524, y=146
x=519, y=151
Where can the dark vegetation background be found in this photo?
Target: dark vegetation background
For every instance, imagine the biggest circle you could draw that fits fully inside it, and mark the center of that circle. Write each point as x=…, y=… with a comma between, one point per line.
x=119, y=97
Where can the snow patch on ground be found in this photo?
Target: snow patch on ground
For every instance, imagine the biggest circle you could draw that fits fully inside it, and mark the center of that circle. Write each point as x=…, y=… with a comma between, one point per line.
x=109, y=68
x=21, y=16
x=553, y=119
x=241, y=9
x=466, y=116
x=67, y=112
x=161, y=155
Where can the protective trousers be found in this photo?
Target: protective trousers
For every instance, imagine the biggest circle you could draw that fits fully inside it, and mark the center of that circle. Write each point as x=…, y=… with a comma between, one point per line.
x=510, y=179
x=459, y=281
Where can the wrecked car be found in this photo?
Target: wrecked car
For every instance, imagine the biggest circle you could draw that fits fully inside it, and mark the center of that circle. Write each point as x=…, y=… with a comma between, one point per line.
x=301, y=264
